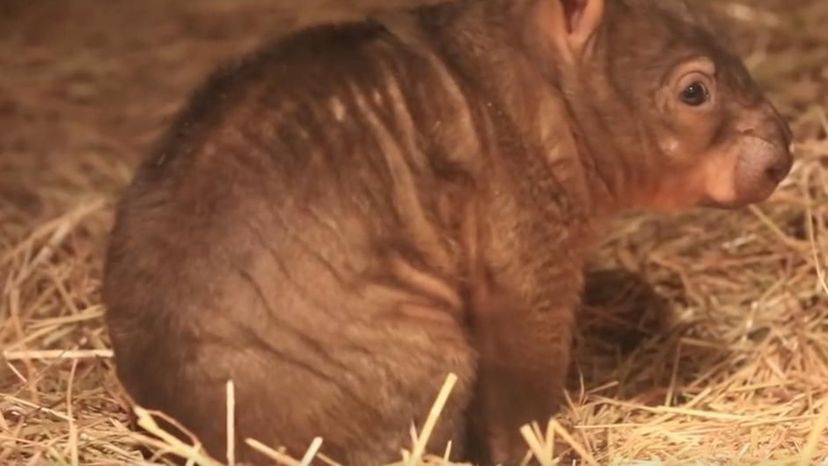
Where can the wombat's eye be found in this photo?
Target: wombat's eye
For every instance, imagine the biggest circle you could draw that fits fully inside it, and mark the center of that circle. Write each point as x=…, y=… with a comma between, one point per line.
x=695, y=94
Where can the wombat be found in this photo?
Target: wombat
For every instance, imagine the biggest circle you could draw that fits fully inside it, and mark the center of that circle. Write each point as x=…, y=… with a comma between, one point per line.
x=362, y=208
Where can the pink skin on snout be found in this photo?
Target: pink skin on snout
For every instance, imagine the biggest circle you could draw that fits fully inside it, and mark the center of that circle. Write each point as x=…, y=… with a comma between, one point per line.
x=751, y=169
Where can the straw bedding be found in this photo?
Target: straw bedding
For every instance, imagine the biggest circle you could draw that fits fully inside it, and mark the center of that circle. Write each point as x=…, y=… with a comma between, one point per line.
x=704, y=339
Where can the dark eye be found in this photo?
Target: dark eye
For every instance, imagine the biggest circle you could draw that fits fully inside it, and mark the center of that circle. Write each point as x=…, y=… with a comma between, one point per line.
x=695, y=94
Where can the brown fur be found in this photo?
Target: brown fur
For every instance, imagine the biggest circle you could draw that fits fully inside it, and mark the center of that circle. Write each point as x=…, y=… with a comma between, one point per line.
x=360, y=209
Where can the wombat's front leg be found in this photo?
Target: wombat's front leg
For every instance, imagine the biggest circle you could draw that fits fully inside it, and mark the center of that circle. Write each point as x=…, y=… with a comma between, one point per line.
x=524, y=354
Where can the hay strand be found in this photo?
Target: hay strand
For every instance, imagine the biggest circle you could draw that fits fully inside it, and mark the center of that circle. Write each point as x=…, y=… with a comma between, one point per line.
x=231, y=423
x=431, y=420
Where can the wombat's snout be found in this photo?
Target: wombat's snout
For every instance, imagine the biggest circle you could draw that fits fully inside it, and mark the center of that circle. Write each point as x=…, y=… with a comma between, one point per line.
x=772, y=162
x=778, y=158
x=780, y=163
x=766, y=157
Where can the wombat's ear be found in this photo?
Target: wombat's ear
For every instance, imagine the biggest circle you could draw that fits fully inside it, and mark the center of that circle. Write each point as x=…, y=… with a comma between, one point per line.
x=572, y=22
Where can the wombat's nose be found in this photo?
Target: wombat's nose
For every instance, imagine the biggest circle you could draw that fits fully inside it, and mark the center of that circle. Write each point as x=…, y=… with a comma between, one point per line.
x=781, y=160
x=763, y=164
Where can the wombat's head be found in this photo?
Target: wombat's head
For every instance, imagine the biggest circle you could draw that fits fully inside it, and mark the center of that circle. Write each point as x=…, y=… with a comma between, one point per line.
x=671, y=117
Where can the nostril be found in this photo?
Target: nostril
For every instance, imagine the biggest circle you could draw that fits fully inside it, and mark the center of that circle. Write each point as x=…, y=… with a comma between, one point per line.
x=779, y=169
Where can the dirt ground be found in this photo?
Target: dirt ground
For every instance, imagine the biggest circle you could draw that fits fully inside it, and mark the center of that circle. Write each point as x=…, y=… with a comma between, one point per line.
x=738, y=375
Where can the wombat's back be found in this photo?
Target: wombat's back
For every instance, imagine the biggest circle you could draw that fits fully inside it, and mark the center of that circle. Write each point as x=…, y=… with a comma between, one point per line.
x=254, y=245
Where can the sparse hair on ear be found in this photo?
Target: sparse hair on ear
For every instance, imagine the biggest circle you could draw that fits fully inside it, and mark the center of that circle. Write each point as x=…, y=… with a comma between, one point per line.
x=571, y=23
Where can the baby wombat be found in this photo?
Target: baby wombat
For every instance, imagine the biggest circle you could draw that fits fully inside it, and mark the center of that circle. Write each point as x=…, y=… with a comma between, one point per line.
x=360, y=209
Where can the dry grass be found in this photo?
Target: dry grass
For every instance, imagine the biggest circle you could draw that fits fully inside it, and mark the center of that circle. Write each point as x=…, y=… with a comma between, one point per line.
x=729, y=367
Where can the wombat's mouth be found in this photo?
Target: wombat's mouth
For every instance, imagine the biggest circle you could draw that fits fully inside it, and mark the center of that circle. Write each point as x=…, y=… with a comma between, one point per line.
x=738, y=203
x=709, y=202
